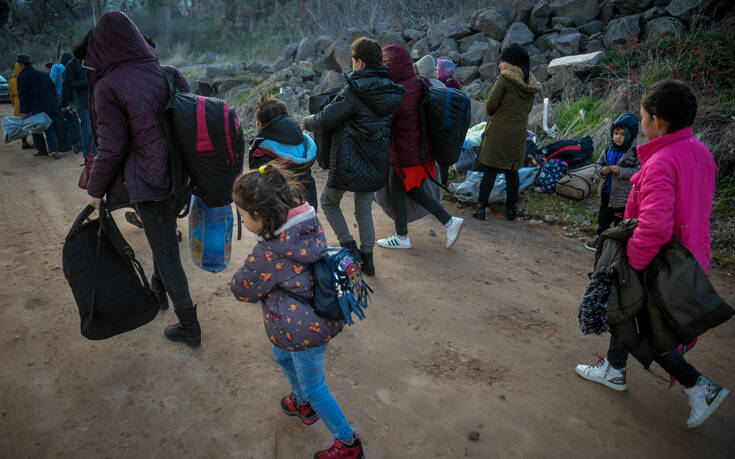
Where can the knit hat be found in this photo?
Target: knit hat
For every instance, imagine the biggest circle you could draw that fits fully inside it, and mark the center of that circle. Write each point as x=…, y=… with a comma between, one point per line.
x=445, y=68
x=517, y=55
x=23, y=59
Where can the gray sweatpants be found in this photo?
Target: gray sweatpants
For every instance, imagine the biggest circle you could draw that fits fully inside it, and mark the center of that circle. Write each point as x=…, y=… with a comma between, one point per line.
x=331, y=198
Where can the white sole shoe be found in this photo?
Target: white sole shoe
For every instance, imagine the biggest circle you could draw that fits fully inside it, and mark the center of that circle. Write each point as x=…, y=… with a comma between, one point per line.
x=394, y=242
x=455, y=227
x=604, y=374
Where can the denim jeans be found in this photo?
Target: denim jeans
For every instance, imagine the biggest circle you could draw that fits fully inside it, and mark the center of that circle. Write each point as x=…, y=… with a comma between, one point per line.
x=53, y=141
x=331, y=198
x=159, y=225
x=672, y=361
x=86, y=131
x=421, y=197
x=305, y=372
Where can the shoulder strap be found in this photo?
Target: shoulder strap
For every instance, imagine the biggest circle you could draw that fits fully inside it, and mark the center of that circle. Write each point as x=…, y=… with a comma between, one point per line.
x=424, y=134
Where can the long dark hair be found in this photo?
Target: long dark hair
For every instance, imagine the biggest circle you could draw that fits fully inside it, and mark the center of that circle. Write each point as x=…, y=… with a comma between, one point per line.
x=672, y=101
x=270, y=192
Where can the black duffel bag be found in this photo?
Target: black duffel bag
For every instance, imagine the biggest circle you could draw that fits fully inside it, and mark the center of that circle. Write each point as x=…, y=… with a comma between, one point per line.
x=108, y=283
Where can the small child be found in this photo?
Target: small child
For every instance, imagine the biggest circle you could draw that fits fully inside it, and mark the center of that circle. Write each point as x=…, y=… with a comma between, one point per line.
x=615, y=167
x=279, y=136
x=445, y=71
x=277, y=273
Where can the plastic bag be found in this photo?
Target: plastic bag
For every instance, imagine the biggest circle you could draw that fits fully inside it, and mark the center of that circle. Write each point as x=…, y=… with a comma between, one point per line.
x=16, y=127
x=468, y=190
x=13, y=128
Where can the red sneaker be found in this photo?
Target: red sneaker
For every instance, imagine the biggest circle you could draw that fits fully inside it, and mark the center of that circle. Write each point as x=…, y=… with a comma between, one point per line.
x=304, y=411
x=340, y=450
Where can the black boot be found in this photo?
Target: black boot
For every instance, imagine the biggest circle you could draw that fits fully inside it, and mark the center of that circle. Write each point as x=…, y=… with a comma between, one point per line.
x=159, y=291
x=479, y=212
x=187, y=330
x=352, y=245
x=368, y=268
x=511, y=213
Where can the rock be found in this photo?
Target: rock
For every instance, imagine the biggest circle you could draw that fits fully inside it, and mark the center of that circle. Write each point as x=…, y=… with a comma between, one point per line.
x=219, y=71
x=281, y=64
x=543, y=43
x=466, y=74
x=489, y=71
x=289, y=52
x=465, y=43
x=474, y=435
x=449, y=28
x=567, y=44
x=536, y=118
x=209, y=58
x=684, y=9
x=491, y=22
x=478, y=112
x=474, y=56
x=473, y=90
x=420, y=49
x=330, y=79
x=653, y=13
x=322, y=43
x=306, y=49
x=521, y=11
x=577, y=63
x=664, y=27
x=391, y=37
x=202, y=88
x=448, y=45
x=518, y=33
x=618, y=31
x=356, y=32
x=628, y=7
x=565, y=21
x=304, y=69
x=561, y=82
x=222, y=86
x=592, y=45
x=606, y=11
x=548, y=218
x=539, y=20
x=539, y=71
x=592, y=27
x=575, y=8
x=492, y=54
x=337, y=56
x=454, y=56
x=412, y=34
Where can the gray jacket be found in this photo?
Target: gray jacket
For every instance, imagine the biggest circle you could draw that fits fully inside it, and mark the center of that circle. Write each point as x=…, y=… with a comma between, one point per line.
x=620, y=188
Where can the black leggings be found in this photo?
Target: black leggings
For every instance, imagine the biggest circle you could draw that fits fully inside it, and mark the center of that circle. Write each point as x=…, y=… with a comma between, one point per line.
x=672, y=361
x=512, y=182
x=421, y=197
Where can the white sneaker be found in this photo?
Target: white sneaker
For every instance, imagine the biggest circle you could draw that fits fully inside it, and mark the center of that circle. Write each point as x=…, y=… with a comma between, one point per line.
x=395, y=242
x=453, y=229
x=602, y=372
x=704, y=399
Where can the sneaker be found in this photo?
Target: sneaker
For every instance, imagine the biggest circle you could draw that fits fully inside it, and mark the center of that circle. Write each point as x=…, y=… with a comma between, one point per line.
x=27, y=146
x=40, y=155
x=304, y=411
x=602, y=372
x=704, y=399
x=54, y=155
x=453, y=229
x=395, y=242
x=340, y=450
x=591, y=245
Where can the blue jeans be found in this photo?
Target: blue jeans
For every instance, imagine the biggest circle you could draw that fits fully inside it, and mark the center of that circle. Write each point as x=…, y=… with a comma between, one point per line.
x=53, y=140
x=305, y=372
x=86, y=131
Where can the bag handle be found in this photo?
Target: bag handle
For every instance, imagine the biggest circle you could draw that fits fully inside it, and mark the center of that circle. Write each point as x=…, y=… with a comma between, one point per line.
x=77, y=225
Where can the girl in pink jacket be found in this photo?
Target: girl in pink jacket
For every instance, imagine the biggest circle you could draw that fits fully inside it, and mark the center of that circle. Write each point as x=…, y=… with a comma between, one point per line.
x=671, y=196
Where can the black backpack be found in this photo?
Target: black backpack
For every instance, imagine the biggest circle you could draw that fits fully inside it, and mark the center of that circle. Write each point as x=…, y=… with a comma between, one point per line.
x=109, y=285
x=339, y=288
x=206, y=144
x=575, y=152
x=445, y=119
x=323, y=139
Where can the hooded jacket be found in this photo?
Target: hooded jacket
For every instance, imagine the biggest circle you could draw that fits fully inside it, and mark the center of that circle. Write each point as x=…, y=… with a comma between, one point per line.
x=406, y=138
x=36, y=92
x=629, y=164
x=282, y=265
x=508, y=106
x=445, y=71
x=282, y=138
x=360, y=118
x=75, y=88
x=127, y=95
x=13, y=90
x=426, y=67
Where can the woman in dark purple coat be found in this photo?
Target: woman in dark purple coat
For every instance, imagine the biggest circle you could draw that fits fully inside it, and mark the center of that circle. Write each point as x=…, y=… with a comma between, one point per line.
x=127, y=95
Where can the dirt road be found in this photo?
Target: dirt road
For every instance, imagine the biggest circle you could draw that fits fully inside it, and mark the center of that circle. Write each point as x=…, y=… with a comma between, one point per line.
x=478, y=338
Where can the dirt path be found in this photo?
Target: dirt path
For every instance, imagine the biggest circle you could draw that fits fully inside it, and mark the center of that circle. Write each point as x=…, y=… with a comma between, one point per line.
x=479, y=338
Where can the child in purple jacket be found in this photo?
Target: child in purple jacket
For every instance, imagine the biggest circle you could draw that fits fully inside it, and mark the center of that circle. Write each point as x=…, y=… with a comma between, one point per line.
x=277, y=273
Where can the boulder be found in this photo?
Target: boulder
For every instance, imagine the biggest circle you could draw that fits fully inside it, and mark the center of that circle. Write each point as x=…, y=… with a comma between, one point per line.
x=567, y=44
x=289, y=52
x=420, y=49
x=489, y=71
x=304, y=69
x=491, y=22
x=449, y=28
x=628, y=7
x=664, y=27
x=539, y=20
x=559, y=83
x=592, y=27
x=521, y=11
x=474, y=56
x=465, y=43
x=448, y=45
x=391, y=37
x=220, y=71
x=466, y=74
x=539, y=71
x=306, y=49
x=478, y=111
x=592, y=45
x=653, y=13
x=536, y=118
x=454, y=56
x=619, y=30
x=356, y=32
x=606, y=11
x=577, y=63
x=281, y=64
x=224, y=85
x=518, y=33
x=575, y=8
x=565, y=21
x=413, y=34
x=685, y=9
x=202, y=88
x=473, y=90
x=330, y=79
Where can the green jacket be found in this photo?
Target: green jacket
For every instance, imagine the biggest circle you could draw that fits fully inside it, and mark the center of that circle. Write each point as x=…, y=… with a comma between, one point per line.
x=671, y=302
x=508, y=106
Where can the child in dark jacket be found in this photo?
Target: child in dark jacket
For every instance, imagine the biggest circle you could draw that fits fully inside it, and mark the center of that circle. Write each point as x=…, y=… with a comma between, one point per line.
x=277, y=273
x=279, y=136
x=616, y=166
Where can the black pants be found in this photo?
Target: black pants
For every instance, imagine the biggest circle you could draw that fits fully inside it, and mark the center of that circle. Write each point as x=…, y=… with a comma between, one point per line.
x=159, y=225
x=444, y=172
x=673, y=362
x=608, y=215
x=421, y=197
x=512, y=182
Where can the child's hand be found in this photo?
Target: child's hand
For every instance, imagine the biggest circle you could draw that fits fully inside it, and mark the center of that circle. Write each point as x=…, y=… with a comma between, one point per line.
x=605, y=170
x=303, y=124
x=615, y=169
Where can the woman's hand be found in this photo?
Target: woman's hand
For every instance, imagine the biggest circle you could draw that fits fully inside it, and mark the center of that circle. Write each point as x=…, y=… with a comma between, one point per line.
x=96, y=203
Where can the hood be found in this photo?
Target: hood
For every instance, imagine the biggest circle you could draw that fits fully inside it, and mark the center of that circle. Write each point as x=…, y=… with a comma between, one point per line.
x=515, y=76
x=116, y=40
x=304, y=153
x=302, y=225
x=445, y=69
x=629, y=122
x=399, y=62
x=283, y=129
x=426, y=67
x=16, y=70
x=65, y=58
x=375, y=90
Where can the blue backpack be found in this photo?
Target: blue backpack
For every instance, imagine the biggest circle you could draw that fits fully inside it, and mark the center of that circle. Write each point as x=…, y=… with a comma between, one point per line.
x=551, y=172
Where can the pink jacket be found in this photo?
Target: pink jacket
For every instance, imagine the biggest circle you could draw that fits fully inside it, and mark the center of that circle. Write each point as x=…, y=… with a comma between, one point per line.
x=672, y=196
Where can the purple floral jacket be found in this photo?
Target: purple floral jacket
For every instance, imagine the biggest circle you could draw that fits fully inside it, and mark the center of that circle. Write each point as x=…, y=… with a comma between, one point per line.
x=281, y=265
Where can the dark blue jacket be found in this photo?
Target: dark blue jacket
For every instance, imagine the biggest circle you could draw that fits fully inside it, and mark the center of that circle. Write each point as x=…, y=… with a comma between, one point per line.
x=37, y=92
x=76, y=86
